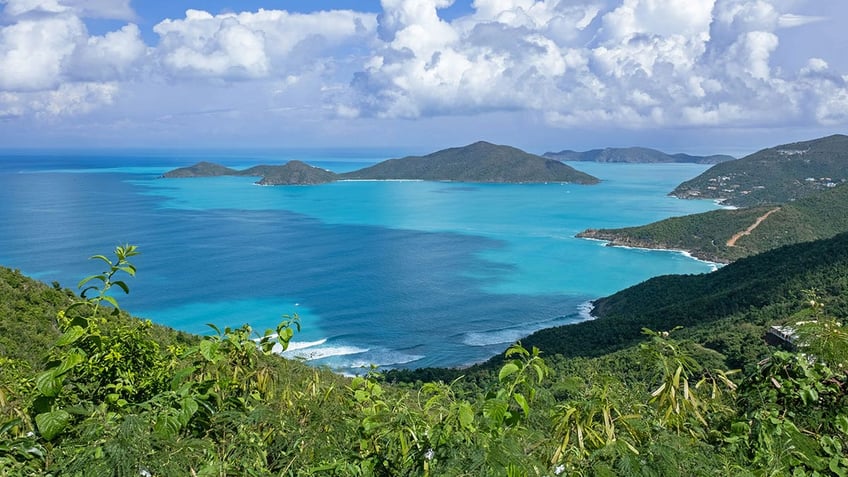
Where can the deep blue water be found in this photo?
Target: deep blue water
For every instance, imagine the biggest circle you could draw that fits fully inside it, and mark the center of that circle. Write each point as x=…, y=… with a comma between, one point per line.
x=386, y=273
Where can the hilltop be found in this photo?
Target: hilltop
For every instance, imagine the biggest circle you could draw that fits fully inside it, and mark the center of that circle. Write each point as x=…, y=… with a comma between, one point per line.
x=478, y=162
x=296, y=173
x=636, y=155
x=773, y=176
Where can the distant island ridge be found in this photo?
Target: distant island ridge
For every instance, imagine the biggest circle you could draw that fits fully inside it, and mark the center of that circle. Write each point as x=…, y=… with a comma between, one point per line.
x=478, y=162
x=634, y=155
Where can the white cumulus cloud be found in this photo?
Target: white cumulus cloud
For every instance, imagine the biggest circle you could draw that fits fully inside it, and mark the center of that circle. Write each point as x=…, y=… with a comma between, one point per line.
x=253, y=45
x=617, y=63
x=630, y=63
x=114, y=9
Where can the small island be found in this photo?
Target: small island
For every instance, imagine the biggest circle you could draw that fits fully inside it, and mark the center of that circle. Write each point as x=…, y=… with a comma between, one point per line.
x=481, y=162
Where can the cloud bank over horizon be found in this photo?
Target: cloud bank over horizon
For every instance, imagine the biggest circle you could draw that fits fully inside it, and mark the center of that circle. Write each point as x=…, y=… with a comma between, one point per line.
x=641, y=66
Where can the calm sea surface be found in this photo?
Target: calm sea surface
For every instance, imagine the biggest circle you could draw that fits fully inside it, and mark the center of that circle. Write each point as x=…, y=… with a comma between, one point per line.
x=398, y=274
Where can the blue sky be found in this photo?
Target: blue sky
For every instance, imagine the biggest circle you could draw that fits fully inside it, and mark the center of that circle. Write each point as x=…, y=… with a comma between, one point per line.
x=697, y=76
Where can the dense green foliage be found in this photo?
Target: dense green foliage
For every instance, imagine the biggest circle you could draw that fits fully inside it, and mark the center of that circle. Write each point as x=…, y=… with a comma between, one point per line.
x=110, y=397
x=636, y=155
x=710, y=235
x=773, y=176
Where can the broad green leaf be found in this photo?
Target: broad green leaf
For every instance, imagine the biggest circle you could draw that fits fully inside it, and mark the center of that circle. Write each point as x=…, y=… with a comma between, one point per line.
x=842, y=423
x=122, y=285
x=167, y=426
x=129, y=270
x=48, y=383
x=71, y=335
x=540, y=372
x=507, y=370
x=72, y=359
x=85, y=280
x=101, y=257
x=51, y=424
x=466, y=415
x=209, y=350
x=519, y=398
x=495, y=409
x=112, y=301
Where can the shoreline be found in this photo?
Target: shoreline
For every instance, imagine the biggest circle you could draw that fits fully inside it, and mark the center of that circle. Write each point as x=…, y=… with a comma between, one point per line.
x=686, y=253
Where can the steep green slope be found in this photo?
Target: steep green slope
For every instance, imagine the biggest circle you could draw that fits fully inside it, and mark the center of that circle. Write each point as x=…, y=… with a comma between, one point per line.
x=727, y=235
x=772, y=280
x=636, y=155
x=27, y=316
x=28, y=310
x=478, y=162
x=773, y=176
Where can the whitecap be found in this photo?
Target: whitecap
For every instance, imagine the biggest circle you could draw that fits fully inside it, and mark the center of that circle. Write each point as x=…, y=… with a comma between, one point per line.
x=298, y=345
x=321, y=352
x=584, y=310
x=383, y=358
x=493, y=337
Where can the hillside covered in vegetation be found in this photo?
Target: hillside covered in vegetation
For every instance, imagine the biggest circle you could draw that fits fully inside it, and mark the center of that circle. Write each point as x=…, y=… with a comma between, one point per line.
x=773, y=176
x=726, y=235
x=737, y=300
x=88, y=390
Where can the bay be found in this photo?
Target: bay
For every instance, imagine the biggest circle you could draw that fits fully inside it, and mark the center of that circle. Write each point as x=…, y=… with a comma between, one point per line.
x=390, y=273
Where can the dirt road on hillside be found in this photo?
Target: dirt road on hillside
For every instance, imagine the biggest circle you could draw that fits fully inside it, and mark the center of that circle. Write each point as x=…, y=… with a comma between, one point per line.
x=732, y=241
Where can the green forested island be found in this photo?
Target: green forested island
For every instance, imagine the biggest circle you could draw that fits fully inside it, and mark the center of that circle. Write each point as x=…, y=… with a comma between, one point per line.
x=634, y=155
x=478, y=162
x=773, y=176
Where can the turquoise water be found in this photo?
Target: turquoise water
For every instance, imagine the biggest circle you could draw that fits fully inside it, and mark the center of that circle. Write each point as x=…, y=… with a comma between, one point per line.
x=395, y=273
